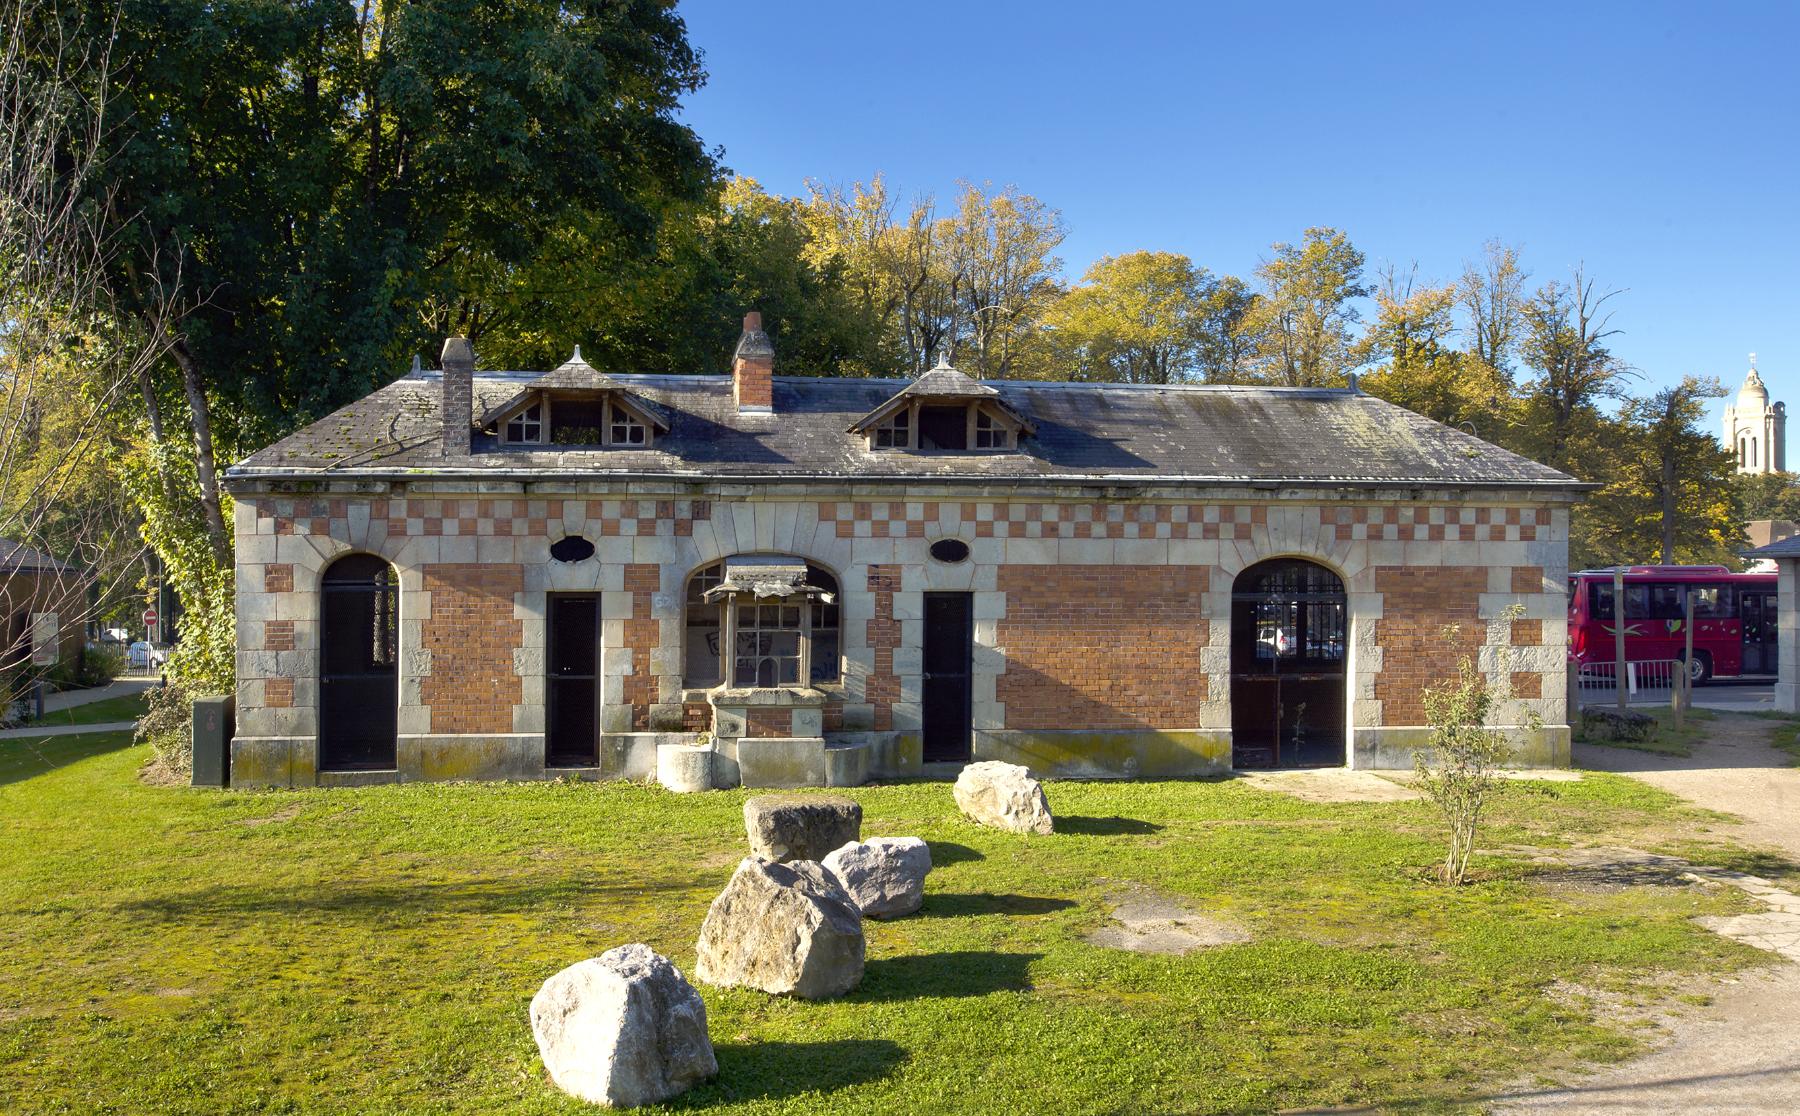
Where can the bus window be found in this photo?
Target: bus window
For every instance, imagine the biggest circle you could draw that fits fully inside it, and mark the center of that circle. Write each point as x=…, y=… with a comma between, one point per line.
x=1714, y=602
x=1600, y=600
x=1667, y=602
x=1637, y=602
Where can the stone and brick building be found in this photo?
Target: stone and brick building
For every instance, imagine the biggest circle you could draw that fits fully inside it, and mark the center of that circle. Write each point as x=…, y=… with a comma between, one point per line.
x=43, y=606
x=780, y=580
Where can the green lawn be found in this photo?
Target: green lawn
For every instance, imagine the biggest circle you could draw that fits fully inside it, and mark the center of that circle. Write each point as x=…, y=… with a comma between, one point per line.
x=374, y=950
x=106, y=711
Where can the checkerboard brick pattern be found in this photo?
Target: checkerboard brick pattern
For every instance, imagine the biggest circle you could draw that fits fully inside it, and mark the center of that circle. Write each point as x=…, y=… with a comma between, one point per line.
x=471, y=634
x=883, y=687
x=278, y=693
x=522, y=518
x=1102, y=647
x=1428, y=523
x=278, y=577
x=897, y=519
x=642, y=579
x=278, y=635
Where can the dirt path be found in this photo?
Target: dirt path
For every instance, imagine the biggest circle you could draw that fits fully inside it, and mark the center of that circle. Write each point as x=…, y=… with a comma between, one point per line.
x=1735, y=771
x=1741, y=1053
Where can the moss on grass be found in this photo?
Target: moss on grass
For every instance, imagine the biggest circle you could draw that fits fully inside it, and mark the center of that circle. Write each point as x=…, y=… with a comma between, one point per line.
x=375, y=949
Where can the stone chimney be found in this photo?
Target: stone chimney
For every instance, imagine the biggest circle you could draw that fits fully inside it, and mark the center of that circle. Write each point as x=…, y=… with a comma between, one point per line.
x=753, y=369
x=458, y=399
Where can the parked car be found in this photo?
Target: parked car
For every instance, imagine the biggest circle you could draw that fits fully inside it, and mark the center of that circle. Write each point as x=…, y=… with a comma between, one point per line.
x=147, y=656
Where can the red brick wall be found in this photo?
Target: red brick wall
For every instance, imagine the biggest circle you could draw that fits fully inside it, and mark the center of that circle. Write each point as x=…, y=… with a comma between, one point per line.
x=884, y=636
x=471, y=635
x=1417, y=604
x=1102, y=647
x=642, y=579
x=278, y=693
x=769, y=722
x=278, y=577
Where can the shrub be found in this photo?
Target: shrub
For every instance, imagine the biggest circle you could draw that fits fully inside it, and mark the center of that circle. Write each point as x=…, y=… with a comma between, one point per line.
x=168, y=728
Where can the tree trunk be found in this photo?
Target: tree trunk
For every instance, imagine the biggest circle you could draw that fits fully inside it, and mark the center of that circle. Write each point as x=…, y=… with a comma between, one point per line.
x=204, y=464
x=1668, y=507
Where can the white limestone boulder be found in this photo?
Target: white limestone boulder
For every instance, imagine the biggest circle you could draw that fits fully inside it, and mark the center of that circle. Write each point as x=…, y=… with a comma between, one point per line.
x=1003, y=795
x=622, y=1029
x=787, y=929
x=884, y=875
x=787, y=827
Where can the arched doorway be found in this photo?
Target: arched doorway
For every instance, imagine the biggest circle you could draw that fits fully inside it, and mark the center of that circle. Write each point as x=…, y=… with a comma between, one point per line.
x=1288, y=650
x=359, y=690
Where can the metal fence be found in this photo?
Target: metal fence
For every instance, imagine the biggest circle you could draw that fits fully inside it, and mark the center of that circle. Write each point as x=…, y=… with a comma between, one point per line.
x=1650, y=680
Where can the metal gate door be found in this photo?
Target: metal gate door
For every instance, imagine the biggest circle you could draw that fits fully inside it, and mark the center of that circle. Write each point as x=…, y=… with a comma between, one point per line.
x=359, y=689
x=572, y=719
x=949, y=655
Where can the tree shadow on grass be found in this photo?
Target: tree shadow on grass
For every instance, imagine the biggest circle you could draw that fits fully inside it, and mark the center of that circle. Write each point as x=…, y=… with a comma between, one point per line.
x=1105, y=827
x=955, y=973
x=391, y=902
x=23, y=758
x=944, y=853
x=777, y=1070
x=968, y=904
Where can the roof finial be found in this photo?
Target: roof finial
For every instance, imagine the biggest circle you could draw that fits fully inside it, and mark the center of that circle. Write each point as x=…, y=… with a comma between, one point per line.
x=1752, y=362
x=944, y=355
x=577, y=357
x=415, y=367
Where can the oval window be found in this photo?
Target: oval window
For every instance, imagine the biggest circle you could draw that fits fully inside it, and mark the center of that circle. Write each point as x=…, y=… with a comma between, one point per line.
x=950, y=550
x=571, y=548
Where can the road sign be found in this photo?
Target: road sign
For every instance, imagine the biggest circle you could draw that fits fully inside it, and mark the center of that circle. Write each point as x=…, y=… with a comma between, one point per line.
x=150, y=618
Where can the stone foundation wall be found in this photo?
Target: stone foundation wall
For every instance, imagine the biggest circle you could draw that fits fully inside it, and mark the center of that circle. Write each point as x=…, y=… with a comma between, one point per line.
x=1107, y=620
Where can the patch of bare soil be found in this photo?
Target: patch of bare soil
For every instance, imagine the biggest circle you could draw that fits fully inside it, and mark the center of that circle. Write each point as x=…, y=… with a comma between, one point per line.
x=156, y=773
x=1147, y=921
x=1333, y=785
x=1733, y=1053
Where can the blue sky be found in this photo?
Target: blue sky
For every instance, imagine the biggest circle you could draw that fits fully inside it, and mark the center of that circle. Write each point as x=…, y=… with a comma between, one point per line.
x=1657, y=143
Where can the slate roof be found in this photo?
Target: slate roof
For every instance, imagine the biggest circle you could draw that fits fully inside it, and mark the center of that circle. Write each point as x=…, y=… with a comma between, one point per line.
x=1780, y=548
x=19, y=558
x=1086, y=433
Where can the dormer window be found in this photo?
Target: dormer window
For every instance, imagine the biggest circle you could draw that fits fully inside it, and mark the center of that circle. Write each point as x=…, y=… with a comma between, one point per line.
x=990, y=433
x=944, y=411
x=526, y=427
x=895, y=433
x=625, y=430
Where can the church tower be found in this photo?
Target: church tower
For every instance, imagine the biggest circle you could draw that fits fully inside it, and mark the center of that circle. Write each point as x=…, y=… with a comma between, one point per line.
x=1755, y=429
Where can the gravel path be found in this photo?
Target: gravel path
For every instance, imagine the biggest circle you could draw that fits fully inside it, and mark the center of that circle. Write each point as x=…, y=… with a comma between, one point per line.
x=1735, y=771
x=1741, y=1053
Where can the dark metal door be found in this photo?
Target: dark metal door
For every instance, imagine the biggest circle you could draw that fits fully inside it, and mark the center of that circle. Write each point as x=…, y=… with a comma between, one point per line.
x=1758, y=614
x=949, y=657
x=1288, y=647
x=572, y=717
x=359, y=690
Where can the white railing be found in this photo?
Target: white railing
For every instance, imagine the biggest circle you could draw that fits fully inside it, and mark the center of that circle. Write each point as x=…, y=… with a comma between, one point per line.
x=1649, y=679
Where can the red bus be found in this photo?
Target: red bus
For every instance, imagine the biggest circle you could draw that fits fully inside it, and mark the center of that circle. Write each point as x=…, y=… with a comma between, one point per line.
x=1734, y=618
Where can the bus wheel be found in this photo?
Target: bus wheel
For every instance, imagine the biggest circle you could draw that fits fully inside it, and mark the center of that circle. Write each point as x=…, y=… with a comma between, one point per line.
x=1700, y=670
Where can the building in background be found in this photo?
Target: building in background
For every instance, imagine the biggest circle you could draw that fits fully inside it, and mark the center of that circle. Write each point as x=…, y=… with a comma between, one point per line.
x=1755, y=428
x=43, y=605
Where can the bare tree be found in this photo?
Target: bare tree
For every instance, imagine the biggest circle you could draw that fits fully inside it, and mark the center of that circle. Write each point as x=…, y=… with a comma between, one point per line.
x=69, y=364
x=1492, y=295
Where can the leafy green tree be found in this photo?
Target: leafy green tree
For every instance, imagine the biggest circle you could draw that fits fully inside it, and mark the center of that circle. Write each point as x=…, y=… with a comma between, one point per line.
x=1415, y=365
x=1304, y=319
x=1138, y=318
x=1767, y=495
x=309, y=191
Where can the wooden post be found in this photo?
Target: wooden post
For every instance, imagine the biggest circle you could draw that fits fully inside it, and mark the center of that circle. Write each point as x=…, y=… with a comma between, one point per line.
x=1619, y=635
x=1687, y=659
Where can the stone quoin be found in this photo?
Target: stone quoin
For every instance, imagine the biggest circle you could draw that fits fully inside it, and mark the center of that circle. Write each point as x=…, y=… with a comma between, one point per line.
x=1146, y=581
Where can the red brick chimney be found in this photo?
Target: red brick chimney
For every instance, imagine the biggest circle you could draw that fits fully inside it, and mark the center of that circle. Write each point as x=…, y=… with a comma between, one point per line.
x=753, y=369
x=458, y=399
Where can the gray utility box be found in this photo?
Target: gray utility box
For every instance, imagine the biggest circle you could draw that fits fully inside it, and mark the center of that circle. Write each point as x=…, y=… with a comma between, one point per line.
x=215, y=721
